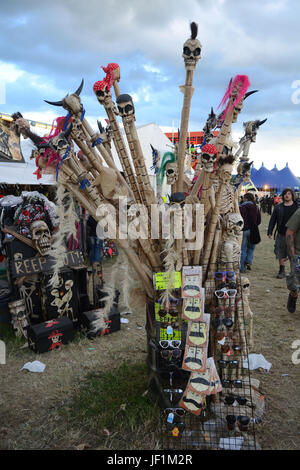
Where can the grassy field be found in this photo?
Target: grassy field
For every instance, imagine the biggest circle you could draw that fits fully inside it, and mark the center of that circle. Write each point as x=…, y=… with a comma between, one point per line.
x=93, y=393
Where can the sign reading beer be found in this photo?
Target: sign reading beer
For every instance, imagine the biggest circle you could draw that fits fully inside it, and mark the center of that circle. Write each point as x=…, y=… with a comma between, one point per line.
x=40, y=264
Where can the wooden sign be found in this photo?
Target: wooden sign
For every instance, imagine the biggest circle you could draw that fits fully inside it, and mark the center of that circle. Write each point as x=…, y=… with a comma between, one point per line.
x=40, y=264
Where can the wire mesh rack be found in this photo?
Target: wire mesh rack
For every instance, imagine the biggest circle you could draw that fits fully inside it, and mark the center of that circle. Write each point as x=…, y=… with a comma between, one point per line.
x=218, y=408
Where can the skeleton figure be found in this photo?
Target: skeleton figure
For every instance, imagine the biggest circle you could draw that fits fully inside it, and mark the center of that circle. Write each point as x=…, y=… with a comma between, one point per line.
x=19, y=317
x=171, y=172
x=61, y=302
x=192, y=49
x=41, y=237
x=244, y=171
x=230, y=248
x=251, y=128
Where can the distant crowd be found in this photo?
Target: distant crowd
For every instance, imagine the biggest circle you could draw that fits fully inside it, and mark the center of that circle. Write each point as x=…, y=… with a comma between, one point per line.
x=284, y=210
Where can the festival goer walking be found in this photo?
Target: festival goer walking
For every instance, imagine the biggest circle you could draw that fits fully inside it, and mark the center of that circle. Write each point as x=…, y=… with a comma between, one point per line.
x=252, y=218
x=293, y=250
x=280, y=215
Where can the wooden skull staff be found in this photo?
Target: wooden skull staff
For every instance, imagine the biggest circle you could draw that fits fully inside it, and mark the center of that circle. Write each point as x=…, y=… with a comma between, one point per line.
x=191, y=54
x=233, y=99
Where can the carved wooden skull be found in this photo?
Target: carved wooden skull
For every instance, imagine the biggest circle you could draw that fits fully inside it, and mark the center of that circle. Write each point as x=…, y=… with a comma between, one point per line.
x=208, y=161
x=41, y=237
x=18, y=313
x=102, y=91
x=77, y=132
x=191, y=53
x=233, y=224
x=72, y=103
x=125, y=105
x=171, y=172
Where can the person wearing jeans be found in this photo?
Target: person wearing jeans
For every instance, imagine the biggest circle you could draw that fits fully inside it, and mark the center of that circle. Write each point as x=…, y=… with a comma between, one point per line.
x=293, y=250
x=251, y=216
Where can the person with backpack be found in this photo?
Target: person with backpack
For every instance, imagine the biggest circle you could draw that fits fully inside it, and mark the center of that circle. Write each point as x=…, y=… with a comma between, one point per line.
x=280, y=215
x=252, y=218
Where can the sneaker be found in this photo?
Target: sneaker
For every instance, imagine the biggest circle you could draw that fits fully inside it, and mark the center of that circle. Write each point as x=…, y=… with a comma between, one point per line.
x=291, y=304
x=248, y=266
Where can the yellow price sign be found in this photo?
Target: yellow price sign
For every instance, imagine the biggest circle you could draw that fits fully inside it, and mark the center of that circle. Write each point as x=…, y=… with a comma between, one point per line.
x=162, y=281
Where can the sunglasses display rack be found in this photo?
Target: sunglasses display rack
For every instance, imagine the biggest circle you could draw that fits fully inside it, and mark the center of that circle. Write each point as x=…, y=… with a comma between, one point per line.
x=197, y=363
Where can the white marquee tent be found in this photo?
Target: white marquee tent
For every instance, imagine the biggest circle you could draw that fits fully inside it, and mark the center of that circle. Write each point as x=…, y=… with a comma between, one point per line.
x=22, y=173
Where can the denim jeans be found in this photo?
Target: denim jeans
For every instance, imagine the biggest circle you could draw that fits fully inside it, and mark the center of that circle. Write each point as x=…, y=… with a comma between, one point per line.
x=96, y=245
x=247, y=250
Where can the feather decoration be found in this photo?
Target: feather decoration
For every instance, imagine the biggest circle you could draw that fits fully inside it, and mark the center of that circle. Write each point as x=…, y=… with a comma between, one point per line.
x=169, y=157
x=67, y=218
x=237, y=86
x=194, y=30
x=170, y=261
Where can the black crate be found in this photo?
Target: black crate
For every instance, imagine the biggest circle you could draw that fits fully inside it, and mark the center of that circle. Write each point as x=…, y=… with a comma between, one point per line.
x=50, y=335
x=94, y=323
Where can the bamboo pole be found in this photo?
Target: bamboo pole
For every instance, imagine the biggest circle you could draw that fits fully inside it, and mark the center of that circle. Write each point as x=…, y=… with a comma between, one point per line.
x=185, y=114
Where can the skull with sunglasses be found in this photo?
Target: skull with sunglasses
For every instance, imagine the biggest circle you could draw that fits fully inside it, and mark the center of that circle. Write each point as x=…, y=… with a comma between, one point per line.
x=208, y=157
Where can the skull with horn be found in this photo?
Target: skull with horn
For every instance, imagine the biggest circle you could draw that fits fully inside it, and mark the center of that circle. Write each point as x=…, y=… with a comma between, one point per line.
x=71, y=102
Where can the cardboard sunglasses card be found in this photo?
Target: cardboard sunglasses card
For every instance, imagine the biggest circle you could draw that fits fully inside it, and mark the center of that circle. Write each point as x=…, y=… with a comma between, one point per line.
x=194, y=359
x=216, y=384
x=192, y=309
x=200, y=382
x=198, y=332
x=192, y=402
x=191, y=282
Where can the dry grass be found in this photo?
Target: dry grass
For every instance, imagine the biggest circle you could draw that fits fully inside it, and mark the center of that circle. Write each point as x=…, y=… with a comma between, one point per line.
x=61, y=408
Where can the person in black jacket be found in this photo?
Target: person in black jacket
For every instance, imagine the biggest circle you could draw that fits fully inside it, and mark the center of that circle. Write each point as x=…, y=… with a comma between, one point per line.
x=252, y=217
x=280, y=215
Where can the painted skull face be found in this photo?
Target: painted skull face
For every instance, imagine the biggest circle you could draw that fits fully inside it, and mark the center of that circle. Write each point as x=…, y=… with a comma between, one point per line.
x=208, y=161
x=72, y=103
x=191, y=53
x=234, y=223
x=60, y=144
x=19, y=317
x=102, y=91
x=197, y=334
x=171, y=172
x=41, y=237
x=125, y=105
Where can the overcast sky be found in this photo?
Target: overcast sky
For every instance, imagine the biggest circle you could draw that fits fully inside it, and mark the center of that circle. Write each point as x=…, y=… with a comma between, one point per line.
x=47, y=47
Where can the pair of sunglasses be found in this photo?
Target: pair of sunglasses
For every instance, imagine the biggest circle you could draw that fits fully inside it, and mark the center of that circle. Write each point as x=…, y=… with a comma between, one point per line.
x=225, y=293
x=223, y=364
x=225, y=276
x=170, y=354
x=174, y=325
x=235, y=383
x=175, y=411
x=164, y=313
x=243, y=421
x=169, y=343
x=216, y=322
x=231, y=399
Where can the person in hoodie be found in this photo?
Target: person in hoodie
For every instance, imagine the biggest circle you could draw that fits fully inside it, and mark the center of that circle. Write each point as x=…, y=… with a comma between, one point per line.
x=251, y=215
